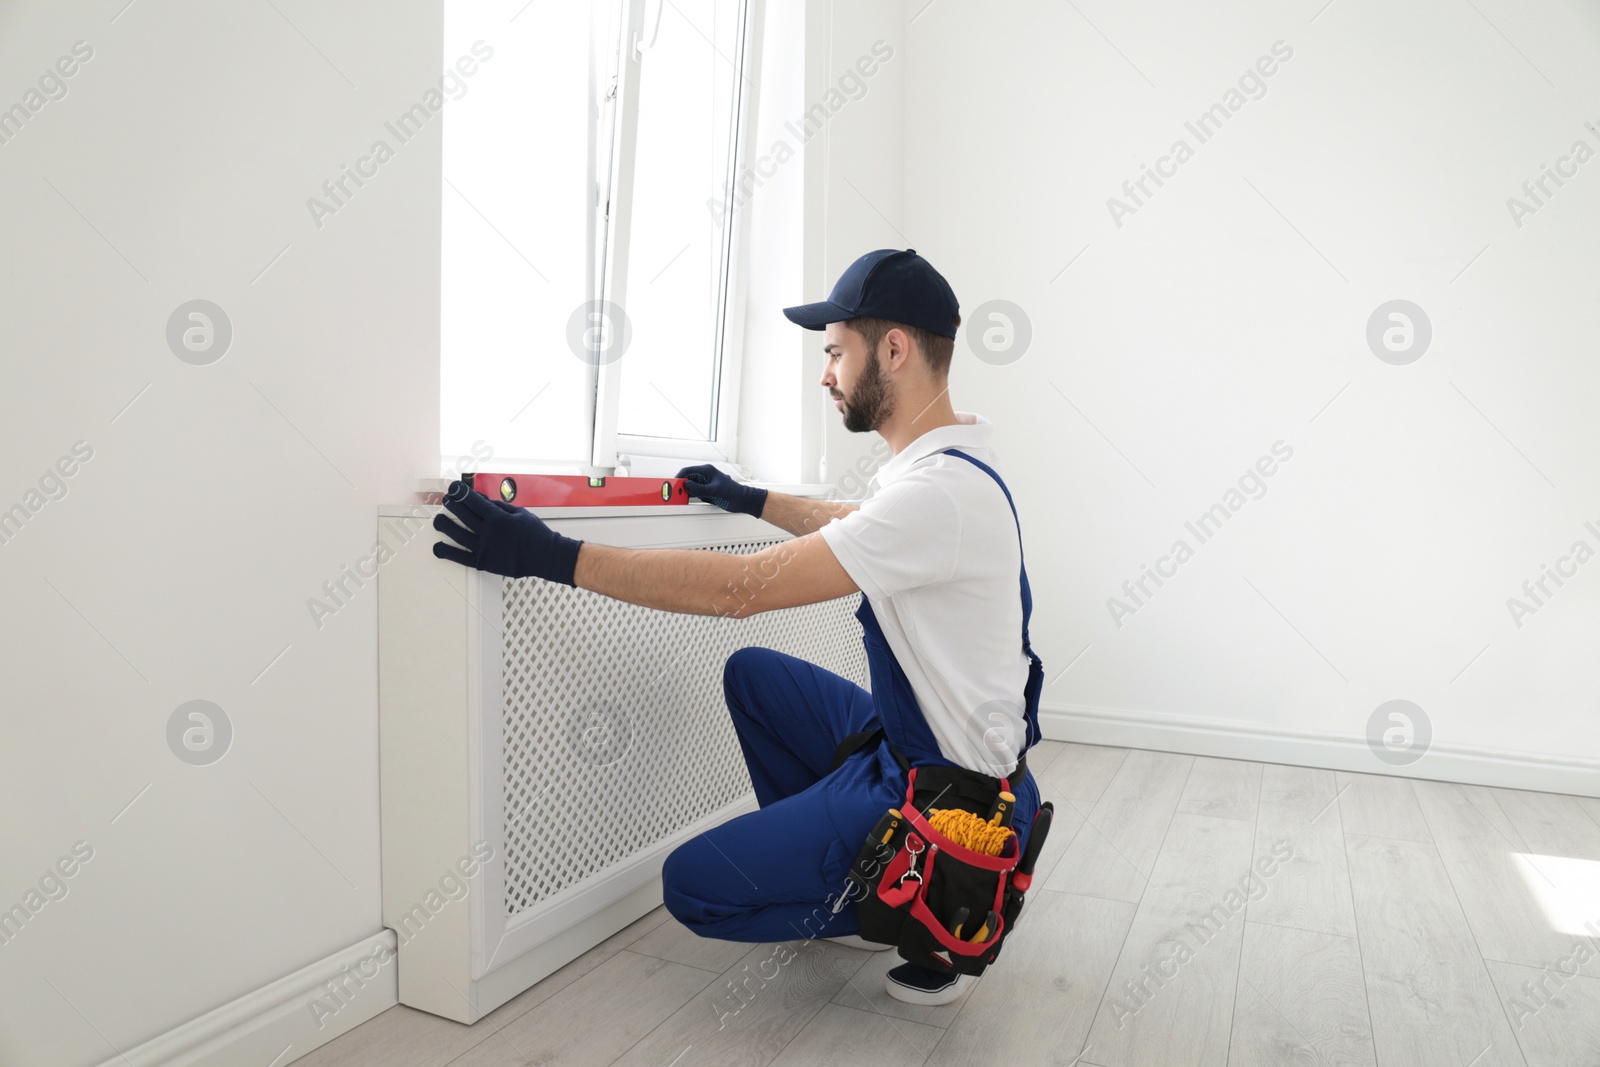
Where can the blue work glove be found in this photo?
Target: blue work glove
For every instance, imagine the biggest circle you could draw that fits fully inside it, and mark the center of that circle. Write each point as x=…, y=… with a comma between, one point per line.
x=502, y=538
x=705, y=482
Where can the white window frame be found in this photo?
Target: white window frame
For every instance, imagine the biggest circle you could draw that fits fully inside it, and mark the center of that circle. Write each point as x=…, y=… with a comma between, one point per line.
x=612, y=174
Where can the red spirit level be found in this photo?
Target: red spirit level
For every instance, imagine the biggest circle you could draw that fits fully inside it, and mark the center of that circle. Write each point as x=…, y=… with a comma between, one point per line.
x=576, y=491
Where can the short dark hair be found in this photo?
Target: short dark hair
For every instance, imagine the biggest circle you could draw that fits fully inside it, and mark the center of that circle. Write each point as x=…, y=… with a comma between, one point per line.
x=935, y=348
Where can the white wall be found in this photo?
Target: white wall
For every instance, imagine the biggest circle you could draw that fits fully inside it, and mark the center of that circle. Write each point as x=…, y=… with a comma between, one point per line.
x=830, y=94
x=1229, y=313
x=179, y=564
x=862, y=193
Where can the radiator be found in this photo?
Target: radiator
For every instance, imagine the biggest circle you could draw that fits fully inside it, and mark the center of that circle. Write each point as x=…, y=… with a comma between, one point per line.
x=543, y=748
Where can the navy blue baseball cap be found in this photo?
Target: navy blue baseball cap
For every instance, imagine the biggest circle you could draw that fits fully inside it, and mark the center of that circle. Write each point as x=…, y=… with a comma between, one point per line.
x=890, y=283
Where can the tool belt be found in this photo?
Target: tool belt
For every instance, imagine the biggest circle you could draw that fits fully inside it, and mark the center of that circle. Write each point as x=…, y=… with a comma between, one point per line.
x=942, y=904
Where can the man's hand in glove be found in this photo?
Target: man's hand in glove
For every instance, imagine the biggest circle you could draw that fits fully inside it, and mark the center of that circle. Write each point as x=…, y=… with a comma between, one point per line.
x=502, y=538
x=705, y=482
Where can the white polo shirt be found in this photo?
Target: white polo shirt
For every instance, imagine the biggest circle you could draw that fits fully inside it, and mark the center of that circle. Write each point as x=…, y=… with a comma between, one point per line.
x=934, y=548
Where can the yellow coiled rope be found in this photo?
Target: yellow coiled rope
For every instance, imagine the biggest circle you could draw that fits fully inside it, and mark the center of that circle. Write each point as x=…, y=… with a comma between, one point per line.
x=969, y=830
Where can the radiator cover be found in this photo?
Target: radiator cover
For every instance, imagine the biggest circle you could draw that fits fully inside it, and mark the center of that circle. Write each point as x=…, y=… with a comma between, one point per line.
x=623, y=706
x=578, y=737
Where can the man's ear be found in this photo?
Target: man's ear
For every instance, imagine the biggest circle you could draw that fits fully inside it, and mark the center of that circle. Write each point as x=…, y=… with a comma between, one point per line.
x=899, y=348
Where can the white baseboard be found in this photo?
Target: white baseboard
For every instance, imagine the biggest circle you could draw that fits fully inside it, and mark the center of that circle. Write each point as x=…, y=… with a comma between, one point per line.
x=1232, y=739
x=277, y=1024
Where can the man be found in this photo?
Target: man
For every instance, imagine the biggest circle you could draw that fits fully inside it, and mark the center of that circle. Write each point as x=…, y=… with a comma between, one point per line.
x=935, y=551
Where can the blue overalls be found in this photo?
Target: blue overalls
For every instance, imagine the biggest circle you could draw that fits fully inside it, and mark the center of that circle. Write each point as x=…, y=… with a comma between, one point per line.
x=774, y=874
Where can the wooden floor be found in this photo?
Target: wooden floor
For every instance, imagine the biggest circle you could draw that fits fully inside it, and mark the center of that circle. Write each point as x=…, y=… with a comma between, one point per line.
x=1192, y=911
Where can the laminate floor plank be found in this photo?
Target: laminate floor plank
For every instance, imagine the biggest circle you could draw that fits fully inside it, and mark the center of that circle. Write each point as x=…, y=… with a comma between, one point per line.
x=838, y=1036
x=1115, y=850
x=673, y=941
x=1378, y=805
x=1561, y=869
x=1506, y=891
x=1171, y=996
x=1082, y=772
x=402, y=1036
x=1591, y=805
x=1486, y=801
x=1043, y=754
x=595, y=1019
x=1036, y=1003
x=751, y=1012
x=1225, y=788
x=1310, y=889
x=1556, y=1017
x=1428, y=990
x=1301, y=1000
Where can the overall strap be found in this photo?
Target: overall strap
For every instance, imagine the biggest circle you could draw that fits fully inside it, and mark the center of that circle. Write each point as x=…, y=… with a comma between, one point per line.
x=1028, y=595
x=1035, y=672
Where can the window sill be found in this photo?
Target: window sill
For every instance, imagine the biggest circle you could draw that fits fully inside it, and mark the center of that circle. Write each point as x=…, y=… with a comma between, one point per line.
x=433, y=487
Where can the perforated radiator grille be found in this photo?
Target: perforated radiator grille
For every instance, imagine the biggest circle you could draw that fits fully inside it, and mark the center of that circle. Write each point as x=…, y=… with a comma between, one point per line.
x=616, y=733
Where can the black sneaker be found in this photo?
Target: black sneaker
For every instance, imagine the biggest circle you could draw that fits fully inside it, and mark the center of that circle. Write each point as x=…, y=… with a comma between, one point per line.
x=915, y=984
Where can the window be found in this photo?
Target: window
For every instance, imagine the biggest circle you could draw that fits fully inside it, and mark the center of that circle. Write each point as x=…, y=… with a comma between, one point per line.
x=590, y=304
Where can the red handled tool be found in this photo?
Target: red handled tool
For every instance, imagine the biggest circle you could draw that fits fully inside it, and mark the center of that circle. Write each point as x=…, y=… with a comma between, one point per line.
x=1022, y=878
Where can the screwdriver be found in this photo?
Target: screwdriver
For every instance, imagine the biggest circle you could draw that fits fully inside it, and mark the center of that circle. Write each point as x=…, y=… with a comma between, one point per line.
x=869, y=859
x=886, y=826
x=1000, y=811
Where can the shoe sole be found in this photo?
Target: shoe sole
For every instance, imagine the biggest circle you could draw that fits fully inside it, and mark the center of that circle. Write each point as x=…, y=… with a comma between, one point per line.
x=912, y=995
